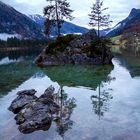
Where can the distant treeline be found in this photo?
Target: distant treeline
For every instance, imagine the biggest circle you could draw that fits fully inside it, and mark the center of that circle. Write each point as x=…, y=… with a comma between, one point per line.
x=15, y=42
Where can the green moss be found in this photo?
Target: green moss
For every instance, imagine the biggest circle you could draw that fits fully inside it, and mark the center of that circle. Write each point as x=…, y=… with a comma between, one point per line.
x=100, y=44
x=60, y=43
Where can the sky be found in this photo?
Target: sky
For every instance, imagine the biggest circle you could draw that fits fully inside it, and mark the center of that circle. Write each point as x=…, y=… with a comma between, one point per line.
x=118, y=9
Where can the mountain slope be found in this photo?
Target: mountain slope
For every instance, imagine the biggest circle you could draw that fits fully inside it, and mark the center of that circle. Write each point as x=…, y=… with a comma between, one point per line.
x=133, y=17
x=14, y=22
x=67, y=27
x=104, y=31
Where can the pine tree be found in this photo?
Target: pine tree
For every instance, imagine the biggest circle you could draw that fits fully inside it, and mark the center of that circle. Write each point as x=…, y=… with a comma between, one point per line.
x=55, y=13
x=97, y=18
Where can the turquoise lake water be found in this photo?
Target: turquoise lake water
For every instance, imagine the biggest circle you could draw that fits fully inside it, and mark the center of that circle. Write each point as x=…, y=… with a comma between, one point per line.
x=106, y=98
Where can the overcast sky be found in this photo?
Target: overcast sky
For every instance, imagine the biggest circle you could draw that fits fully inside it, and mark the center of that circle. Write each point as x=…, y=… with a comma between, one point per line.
x=118, y=9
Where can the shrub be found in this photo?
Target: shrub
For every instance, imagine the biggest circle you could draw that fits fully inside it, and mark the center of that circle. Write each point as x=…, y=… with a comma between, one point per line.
x=99, y=44
x=60, y=43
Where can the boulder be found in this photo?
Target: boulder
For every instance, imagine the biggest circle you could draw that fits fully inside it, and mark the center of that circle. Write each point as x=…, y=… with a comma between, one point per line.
x=27, y=92
x=29, y=127
x=77, y=51
x=34, y=113
x=48, y=93
x=24, y=98
x=33, y=116
x=84, y=40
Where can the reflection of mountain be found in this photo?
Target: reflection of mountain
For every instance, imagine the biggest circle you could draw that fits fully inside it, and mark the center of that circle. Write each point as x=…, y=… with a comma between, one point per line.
x=88, y=76
x=133, y=18
x=131, y=62
x=14, y=74
x=17, y=24
x=26, y=54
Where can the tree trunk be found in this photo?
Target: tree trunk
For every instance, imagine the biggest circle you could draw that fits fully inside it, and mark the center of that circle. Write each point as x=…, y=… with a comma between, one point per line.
x=58, y=29
x=57, y=19
x=98, y=27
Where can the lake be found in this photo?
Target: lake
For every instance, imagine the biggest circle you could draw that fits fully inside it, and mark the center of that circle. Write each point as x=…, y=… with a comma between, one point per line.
x=105, y=99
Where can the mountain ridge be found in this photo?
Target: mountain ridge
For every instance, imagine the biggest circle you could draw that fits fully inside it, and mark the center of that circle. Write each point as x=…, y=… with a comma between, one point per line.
x=67, y=27
x=14, y=22
x=132, y=18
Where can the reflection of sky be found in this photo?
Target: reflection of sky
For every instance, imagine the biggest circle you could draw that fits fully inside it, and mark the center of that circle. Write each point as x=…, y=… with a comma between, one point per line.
x=121, y=122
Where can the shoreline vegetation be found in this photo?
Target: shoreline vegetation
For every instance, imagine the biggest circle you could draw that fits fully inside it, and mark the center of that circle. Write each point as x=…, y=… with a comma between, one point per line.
x=23, y=43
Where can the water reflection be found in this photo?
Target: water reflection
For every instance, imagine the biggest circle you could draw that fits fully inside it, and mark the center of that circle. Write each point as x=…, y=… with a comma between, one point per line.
x=80, y=86
x=130, y=62
x=100, y=102
x=14, y=74
x=16, y=67
x=77, y=120
x=71, y=76
x=63, y=119
x=6, y=60
x=86, y=76
x=19, y=55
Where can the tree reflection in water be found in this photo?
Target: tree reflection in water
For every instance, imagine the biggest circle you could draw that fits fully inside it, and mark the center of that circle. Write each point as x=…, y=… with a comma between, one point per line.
x=63, y=118
x=100, y=102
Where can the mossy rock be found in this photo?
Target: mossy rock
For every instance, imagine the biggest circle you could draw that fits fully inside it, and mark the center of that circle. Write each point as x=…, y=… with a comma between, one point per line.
x=60, y=44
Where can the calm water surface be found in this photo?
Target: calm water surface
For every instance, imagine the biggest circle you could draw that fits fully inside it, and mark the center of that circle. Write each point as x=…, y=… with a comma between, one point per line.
x=106, y=99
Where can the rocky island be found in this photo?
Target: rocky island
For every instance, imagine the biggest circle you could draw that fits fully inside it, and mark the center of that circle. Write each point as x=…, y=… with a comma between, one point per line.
x=75, y=49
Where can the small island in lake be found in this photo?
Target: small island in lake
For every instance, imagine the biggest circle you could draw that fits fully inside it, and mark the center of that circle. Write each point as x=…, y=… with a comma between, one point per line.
x=76, y=49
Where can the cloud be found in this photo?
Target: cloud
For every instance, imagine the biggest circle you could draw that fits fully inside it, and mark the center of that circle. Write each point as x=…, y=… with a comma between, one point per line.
x=27, y=6
x=118, y=9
